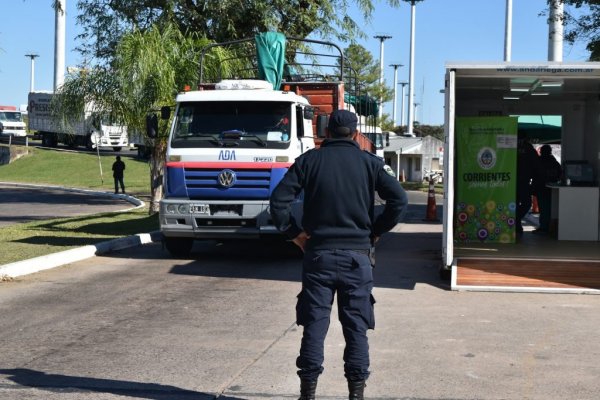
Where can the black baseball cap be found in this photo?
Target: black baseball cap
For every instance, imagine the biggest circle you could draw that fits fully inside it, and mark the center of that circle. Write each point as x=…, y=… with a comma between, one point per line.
x=342, y=123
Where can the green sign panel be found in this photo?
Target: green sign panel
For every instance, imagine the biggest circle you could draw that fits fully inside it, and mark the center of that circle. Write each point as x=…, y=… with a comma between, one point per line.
x=486, y=155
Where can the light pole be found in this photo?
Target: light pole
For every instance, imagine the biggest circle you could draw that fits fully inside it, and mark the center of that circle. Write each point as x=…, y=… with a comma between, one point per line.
x=31, y=80
x=402, y=108
x=555, y=31
x=382, y=38
x=395, y=66
x=411, y=68
x=59, y=43
x=508, y=31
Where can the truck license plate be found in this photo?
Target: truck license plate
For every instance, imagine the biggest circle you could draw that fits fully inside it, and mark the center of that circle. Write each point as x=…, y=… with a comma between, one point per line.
x=200, y=209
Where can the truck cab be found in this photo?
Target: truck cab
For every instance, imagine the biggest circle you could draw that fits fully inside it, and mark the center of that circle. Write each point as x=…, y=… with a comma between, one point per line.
x=230, y=143
x=11, y=122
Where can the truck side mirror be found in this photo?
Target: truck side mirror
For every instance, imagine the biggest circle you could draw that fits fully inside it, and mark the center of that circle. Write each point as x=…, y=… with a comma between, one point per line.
x=322, y=125
x=165, y=112
x=387, y=140
x=151, y=126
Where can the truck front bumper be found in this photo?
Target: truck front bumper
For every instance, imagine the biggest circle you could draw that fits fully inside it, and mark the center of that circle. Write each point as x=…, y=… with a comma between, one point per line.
x=216, y=219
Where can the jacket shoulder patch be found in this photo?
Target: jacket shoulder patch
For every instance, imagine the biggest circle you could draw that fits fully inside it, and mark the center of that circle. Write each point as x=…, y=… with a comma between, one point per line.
x=388, y=170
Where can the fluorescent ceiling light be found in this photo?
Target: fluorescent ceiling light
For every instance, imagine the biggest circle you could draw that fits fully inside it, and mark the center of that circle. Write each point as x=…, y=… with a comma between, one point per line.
x=519, y=89
x=511, y=98
x=540, y=94
x=551, y=84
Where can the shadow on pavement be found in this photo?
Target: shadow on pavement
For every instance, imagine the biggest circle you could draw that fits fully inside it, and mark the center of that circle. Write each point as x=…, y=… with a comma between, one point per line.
x=73, y=384
x=403, y=260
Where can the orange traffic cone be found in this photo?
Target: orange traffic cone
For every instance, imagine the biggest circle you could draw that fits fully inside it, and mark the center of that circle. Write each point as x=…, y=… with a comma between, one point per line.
x=431, y=206
x=535, y=209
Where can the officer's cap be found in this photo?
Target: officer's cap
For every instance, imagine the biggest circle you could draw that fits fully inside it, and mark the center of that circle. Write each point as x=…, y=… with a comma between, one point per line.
x=342, y=123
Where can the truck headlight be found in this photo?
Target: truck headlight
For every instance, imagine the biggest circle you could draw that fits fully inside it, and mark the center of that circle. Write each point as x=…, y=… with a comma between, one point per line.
x=183, y=209
x=171, y=208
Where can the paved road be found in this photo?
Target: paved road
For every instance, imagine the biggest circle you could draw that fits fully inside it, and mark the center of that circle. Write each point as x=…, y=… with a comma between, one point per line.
x=138, y=324
x=26, y=203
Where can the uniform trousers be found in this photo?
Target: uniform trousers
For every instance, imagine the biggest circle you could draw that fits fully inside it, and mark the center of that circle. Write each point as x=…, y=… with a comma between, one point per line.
x=325, y=274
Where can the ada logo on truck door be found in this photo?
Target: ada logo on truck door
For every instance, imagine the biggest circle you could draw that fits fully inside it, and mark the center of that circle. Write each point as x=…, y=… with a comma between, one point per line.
x=227, y=155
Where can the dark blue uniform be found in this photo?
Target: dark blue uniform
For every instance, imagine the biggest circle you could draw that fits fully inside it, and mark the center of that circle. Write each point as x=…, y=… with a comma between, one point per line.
x=339, y=182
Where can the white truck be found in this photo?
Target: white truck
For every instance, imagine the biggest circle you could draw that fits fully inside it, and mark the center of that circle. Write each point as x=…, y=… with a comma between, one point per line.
x=90, y=130
x=11, y=122
x=230, y=144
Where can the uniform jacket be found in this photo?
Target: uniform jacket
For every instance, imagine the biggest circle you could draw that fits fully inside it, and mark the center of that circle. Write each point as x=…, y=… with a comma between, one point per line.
x=339, y=181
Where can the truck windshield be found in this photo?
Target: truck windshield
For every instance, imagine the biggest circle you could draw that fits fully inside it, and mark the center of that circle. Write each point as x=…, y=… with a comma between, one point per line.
x=10, y=116
x=244, y=124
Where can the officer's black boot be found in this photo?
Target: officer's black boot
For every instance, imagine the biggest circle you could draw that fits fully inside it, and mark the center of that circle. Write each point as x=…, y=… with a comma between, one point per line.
x=307, y=389
x=356, y=390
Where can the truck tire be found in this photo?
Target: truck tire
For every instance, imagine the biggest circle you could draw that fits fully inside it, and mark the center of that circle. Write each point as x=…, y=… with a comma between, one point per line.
x=70, y=140
x=49, y=139
x=179, y=247
x=88, y=142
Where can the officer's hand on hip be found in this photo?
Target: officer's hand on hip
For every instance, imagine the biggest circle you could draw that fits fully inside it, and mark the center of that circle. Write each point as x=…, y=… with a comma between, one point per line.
x=301, y=239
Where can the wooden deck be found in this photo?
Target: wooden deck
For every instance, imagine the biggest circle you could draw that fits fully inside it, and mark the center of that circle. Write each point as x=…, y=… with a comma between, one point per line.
x=536, y=263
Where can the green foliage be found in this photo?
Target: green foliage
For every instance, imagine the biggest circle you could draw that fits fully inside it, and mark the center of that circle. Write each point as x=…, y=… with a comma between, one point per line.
x=104, y=22
x=437, y=131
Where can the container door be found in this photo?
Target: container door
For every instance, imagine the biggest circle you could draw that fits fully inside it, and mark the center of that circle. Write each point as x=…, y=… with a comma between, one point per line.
x=448, y=216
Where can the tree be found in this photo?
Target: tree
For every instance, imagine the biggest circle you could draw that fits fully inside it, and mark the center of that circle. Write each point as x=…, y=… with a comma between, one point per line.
x=147, y=71
x=105, y=21
x=363, y=76
x=582, y=23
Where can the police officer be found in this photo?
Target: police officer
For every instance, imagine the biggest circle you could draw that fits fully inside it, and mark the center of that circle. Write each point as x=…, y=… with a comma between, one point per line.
x=338, y=232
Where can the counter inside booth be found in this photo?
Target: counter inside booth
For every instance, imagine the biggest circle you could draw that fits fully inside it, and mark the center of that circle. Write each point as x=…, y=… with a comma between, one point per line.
x=576, y=208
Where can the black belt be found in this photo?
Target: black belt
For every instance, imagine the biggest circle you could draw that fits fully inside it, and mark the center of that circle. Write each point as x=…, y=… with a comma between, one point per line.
x=362, y=251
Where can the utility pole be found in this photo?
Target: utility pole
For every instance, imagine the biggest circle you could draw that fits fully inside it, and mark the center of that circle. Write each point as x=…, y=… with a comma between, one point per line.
x=555, y=30
x=402, y=108
x=382, y=38
x=395, y=66
x=411, y=68
x=32, y=56
x=508, y=32
x=59, y=43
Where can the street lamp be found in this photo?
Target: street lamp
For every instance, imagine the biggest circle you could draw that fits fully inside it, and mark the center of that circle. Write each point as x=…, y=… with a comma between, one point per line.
x=508, y=32
x=411, y=68
x=32, y=56
x=395, y=66
x=402, y=108
x=381, y=38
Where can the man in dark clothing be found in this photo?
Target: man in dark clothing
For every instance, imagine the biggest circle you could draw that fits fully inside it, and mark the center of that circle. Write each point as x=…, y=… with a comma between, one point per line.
x=338, y=233
x=118, y=167
x=527, y=167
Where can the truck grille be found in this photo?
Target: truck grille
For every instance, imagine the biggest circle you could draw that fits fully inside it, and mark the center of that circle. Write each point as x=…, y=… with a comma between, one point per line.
x=204, y=183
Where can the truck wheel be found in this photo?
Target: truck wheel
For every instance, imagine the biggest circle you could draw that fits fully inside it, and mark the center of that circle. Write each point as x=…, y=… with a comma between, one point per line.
x=116, y=148
x=88, y=143
x=179, y=247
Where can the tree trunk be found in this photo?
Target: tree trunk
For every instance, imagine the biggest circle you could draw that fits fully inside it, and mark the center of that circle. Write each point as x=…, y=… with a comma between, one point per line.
x=157, y=170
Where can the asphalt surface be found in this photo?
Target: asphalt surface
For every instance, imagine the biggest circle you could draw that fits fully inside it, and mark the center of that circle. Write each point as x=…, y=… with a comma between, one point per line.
x=138, y=324
x=22, y=203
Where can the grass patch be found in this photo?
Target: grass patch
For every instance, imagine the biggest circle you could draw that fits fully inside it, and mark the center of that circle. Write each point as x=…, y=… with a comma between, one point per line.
x=38, y=238
x=75, y=170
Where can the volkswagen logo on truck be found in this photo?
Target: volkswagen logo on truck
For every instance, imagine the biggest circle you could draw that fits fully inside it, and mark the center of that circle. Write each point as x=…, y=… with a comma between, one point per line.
x=226, y=178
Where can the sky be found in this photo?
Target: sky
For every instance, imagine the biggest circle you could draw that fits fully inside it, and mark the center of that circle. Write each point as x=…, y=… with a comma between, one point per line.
x=445, y=30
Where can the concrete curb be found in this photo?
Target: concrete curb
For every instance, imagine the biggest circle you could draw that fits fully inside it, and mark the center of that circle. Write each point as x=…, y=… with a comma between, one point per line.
x=25, y=267
x=36, y=264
